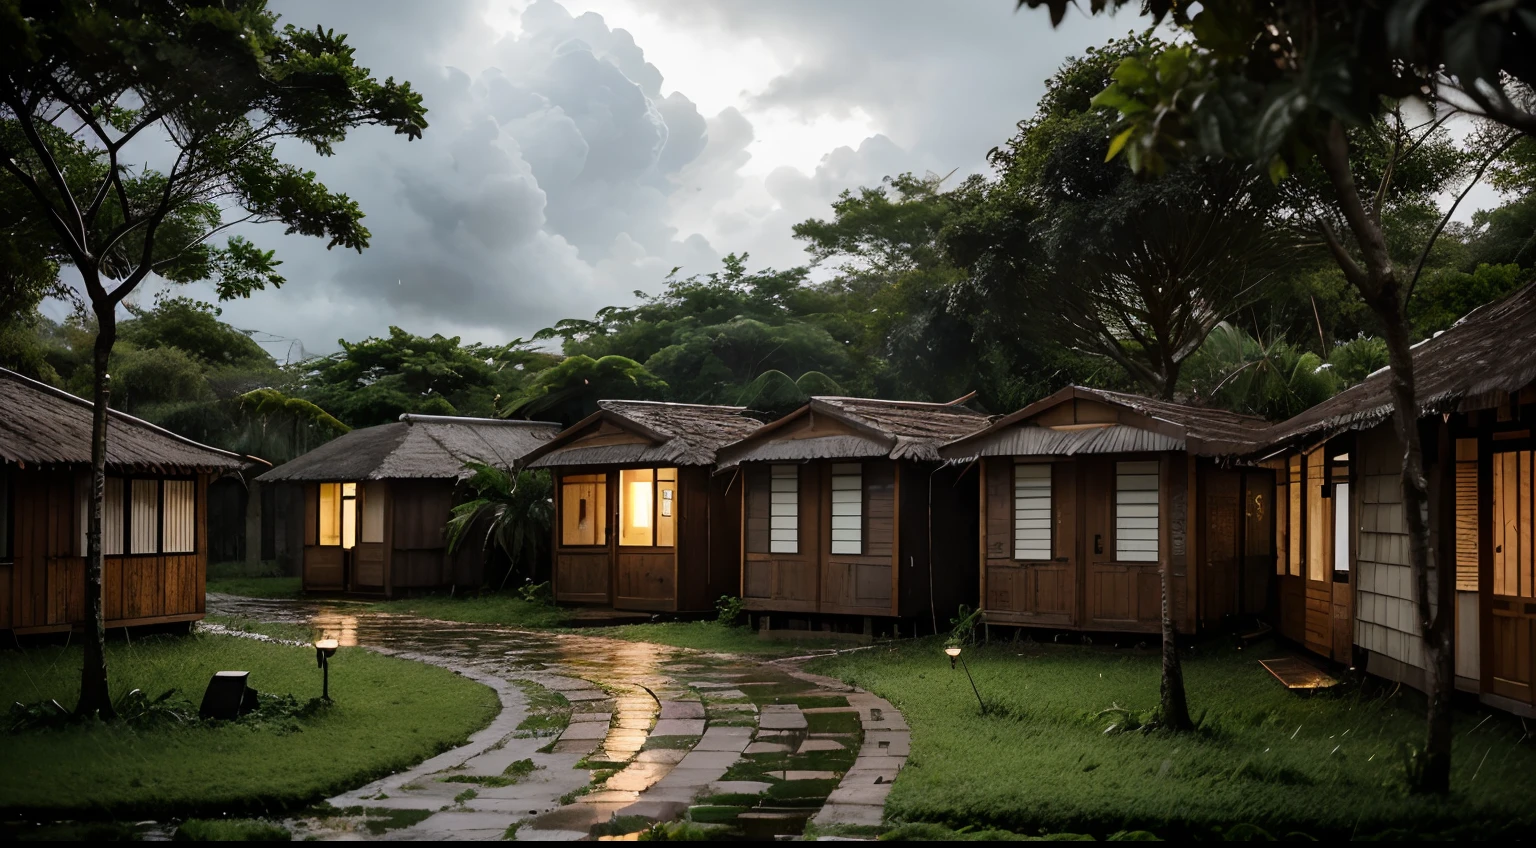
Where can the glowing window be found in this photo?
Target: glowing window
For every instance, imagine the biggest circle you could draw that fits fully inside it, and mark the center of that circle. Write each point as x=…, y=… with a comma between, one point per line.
x=348, y=515
x=330, y=514
x=584, y=510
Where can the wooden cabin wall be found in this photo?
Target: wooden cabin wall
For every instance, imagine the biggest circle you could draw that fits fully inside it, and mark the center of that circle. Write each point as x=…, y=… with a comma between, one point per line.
x=1221, y=545
x=865, y=583
x=724, y=521
x=47, y=578
x=1258, y=541
x=420, y=510
x=1385, y=620
x=782, y=582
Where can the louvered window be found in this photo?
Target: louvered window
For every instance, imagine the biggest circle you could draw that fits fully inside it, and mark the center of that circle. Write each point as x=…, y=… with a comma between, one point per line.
x=784, y=510
x=1032, y=511
x=847, y=508
x=179, y=518
x=1136, y=511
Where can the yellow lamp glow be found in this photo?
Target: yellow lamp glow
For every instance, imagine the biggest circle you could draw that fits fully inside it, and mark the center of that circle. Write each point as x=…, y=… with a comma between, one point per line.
x=640, y=504
x=952, y=651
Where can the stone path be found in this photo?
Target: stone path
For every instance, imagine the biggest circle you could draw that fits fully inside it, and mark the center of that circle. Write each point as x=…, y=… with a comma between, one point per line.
x=603, y=738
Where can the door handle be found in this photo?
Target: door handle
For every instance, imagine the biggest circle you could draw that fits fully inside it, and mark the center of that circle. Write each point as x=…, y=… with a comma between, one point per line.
x=1098, y=543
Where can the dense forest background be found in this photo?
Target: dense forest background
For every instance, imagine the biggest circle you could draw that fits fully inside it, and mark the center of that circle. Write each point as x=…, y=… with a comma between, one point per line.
x=1056, y=268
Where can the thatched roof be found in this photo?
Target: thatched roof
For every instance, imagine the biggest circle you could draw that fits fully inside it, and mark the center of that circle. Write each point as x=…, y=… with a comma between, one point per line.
x=669, y=434
x=1476, y=364
x=891, y=428
x=41, y=425
x=417, y=447
x=1143, y=424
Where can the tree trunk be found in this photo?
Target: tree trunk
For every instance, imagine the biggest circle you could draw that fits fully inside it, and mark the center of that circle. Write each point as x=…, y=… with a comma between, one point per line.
x=95, y=699
x=1175, y=706
x=1382, y=291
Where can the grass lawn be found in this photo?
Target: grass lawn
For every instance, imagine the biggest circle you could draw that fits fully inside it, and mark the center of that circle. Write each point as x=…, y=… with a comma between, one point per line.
x=504, y=608
x=263, y=580
x=388, y=714
x=1326, y=765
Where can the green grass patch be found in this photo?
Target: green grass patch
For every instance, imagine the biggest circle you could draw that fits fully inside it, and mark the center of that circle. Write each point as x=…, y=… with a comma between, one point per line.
x=388, y=714
x=815, y=702
x=833, y=723
x=549, y=712
x=274, y=629
x=259, y=580
x=793, y=789
x=1328, y=765
x=716, y=813
x=513, y=773
x=466, y=795
x=231, y=830
x=675, y=743
x=503, y=608
x=622, y=825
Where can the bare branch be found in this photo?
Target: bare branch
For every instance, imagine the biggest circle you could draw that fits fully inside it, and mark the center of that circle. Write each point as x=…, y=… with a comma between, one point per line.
x=1418, y=267
x=40, y=147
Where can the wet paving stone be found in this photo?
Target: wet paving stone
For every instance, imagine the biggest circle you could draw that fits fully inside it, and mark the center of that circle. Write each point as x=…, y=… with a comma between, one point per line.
x=641, y=732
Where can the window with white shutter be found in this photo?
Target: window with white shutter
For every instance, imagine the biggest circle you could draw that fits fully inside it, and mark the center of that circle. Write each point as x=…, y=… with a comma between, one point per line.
x=1032, y=511
x=847, y=508
x=1136, y=511
x=784, y=510
x=144, y=517
x=179, y=520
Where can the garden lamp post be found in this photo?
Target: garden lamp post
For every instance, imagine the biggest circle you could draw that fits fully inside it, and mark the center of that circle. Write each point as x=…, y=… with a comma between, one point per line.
x=324, y=650
x=953, y=652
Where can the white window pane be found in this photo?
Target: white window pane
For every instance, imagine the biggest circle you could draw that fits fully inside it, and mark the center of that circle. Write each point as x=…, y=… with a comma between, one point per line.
x=371, y=529
x=1032, y=524
x=1032, y=511
x=179, y=525
x=783, y=522
x=1136, y=497
x=1137, y=556
x=779, y=546
x=851, y=548
x=846, y=509
x=780, y=498
x=144, y=517
x=111, y=515
x=845, y=534
x=1136, y=511
x=846, y=522
x=852, y=496
x=842, y=484
x=780, y=534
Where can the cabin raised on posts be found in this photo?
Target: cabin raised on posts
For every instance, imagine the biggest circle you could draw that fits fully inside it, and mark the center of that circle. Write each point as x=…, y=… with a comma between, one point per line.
x=640, y=523
x=1347, y=586
x=377, y=500
x=154, y=521
x=1087, y=494
x=847, y=510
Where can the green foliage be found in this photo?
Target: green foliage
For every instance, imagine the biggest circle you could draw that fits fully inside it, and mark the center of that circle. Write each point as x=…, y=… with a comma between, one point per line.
x=1443, y=298
x=262, y=764
x=514, y=513
x=376, y=380
x=1270, y=378
x=569, y=392
x=1358, y=358
x=145, y=378
x=231, y=830
x=194, y=328
x=729, y=609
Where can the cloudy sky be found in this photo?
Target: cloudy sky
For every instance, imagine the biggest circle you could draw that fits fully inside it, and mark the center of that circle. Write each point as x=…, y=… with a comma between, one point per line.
x=579, y=150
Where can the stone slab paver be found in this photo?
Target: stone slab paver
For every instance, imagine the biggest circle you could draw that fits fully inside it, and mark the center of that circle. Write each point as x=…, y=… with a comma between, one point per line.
x=820, y=745
x=678, y=727
x=681, y=709
x=767, y=748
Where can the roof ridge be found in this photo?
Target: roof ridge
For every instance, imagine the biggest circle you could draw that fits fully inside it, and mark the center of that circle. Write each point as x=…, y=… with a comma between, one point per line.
x=605, y=403
x=919, y=404
x=131, y=419
x=415, y=417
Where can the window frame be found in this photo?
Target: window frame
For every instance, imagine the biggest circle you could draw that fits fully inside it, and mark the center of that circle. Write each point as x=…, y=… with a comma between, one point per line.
x=1050, y=496
x=599, y=511
x=1156, y=504
x=126, y=514
x=862, y=500
x=656, y=511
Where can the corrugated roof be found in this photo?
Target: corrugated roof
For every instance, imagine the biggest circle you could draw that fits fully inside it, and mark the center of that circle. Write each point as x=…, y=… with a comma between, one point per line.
x=1152, y=425
x=46, y=426
x=675, y=433
x=417, y=447
x=893, y=428
x=1476, y=364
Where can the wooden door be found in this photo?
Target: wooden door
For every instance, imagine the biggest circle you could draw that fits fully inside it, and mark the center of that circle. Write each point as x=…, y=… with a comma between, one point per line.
x=1122, y=586
x=1510, y=628
x=1031, y=558
x=583, y=552
x=782, y=536
x=1220, y=538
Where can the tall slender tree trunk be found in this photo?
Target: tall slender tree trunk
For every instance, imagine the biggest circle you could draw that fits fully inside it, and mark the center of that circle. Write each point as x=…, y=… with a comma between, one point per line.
x=1175, y=706
x=95, y=699
x=1382, y=291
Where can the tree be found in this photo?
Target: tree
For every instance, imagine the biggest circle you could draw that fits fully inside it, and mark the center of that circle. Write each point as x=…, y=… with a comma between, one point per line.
x=221, y=84
x=516, y=513
x=1132, y=270
x=1279, y=84
x=570, y=391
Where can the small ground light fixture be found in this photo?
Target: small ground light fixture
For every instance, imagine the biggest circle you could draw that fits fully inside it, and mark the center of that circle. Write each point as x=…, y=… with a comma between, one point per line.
x=953, y=652
x=324, y=650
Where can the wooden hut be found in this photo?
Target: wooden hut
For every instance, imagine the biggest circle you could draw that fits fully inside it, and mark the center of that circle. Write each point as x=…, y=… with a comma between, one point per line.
x=847, y=510
x=640, y=523
x=377, y=500
x=1345, y=556
x=154, y=529
x=1087, y=494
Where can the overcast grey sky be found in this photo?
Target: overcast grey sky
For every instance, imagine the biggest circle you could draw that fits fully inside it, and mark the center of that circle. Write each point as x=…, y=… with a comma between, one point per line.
x=579, y=150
